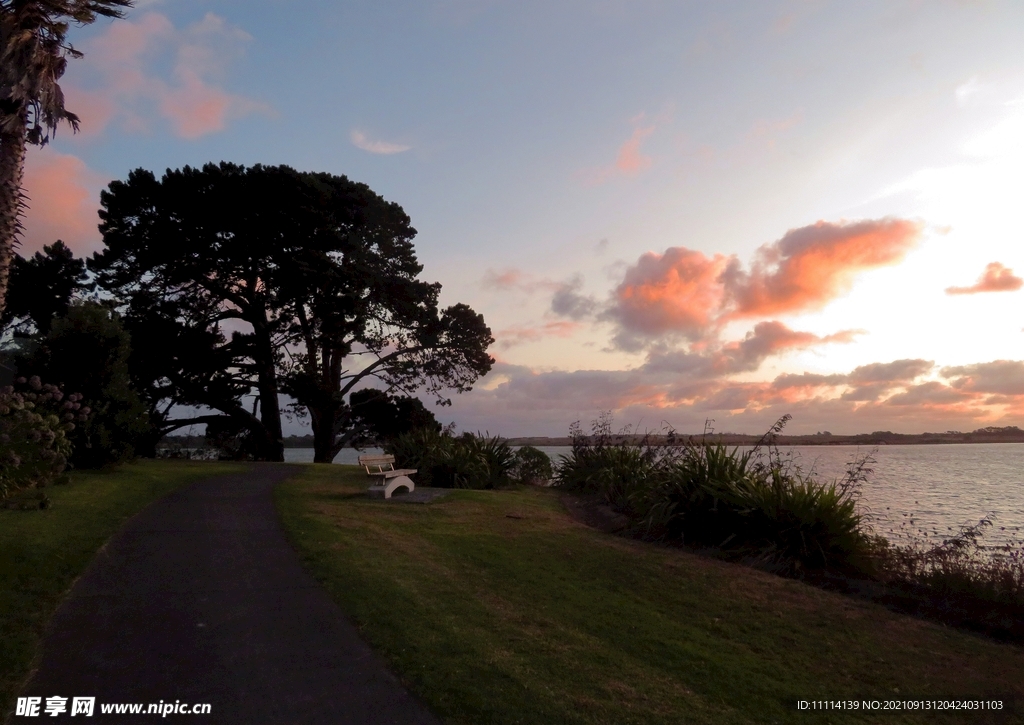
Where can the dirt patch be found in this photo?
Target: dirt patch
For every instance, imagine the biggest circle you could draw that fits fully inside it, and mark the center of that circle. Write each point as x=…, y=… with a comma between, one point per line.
x=591, y=510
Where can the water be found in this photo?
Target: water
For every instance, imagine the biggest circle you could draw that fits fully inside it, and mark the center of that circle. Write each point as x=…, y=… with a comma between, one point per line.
x=936, y=487
x=348, y=456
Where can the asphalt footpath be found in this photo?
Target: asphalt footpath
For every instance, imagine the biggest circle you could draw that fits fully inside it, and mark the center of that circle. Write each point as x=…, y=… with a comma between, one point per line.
x=199, y=600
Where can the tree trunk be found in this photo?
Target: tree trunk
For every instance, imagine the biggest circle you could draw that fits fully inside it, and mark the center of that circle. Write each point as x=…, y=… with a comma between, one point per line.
x=270, y=408
x=323, y=436
x=12, y=168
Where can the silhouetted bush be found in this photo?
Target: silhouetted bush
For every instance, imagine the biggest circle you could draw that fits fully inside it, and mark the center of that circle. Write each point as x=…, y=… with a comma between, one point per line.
x=531, y=466
x=87, y=351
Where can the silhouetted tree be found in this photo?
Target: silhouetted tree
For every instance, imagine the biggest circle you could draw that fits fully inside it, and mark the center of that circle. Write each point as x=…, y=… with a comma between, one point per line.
x=41, y=289
x=378, y=417
x=33, y=56
x=314, y=275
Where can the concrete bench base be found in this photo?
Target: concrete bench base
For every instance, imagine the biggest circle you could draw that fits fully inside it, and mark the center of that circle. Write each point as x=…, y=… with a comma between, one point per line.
x=389, y=485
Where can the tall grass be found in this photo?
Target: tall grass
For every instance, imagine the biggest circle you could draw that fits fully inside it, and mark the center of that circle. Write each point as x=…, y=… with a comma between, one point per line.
x=958, y=580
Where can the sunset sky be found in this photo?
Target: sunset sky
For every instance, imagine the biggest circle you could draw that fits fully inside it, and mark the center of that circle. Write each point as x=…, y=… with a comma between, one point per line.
x=677, y=211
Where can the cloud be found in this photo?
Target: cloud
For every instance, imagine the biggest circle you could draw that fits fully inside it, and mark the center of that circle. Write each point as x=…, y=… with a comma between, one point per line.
x=812, y=265
x=678, y=292
x=995, y=278
x=897, y=371
x=681, y=389
x=516, y=280
x=520, y=334
x=360, y=141
x=1003, y=377
x=770, y=338
x=125, y=84
x=966, y=91
x=568, y=302
x=686, y=294
x=629, y=161
x=63, y=199
x=871, y=382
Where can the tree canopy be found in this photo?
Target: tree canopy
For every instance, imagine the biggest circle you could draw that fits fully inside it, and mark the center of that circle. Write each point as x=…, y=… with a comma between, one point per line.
x=41, y=289
x=271, y=281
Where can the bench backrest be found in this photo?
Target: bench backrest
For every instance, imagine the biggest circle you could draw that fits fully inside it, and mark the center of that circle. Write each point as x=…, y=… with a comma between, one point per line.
x=378, y=461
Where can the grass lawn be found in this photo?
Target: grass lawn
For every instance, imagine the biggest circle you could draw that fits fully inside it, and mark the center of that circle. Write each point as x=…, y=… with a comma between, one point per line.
x=43, y=552
x=497, y=607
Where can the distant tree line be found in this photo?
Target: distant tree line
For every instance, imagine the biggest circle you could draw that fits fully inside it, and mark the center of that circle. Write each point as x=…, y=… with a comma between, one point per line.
x=232, y=291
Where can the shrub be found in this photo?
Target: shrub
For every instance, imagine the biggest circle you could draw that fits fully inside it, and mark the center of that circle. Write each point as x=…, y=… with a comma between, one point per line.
x=532, y=466
x=620, y=470
x=958, y=580
x=441, y=460
x=34, y=424
x=87, y=350
x=749, y=505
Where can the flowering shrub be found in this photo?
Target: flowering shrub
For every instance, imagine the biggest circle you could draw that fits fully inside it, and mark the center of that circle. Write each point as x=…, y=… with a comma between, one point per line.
x=34, y=424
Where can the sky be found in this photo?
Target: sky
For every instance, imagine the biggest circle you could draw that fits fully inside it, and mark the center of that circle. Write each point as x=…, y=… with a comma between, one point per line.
x=679, y=212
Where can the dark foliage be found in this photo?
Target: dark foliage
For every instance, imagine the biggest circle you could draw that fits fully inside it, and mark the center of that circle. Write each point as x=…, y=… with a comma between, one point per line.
x=445, y=461
x=532, y=466
x=87, y=351
x=385, y=417
x=319, y=269
x=41, y=289
x=752, y=506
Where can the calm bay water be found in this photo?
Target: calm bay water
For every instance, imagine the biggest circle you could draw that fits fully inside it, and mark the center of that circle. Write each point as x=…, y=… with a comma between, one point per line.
x=936, y=487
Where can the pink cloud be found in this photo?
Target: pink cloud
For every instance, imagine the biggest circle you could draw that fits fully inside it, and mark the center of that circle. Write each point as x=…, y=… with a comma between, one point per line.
x=771, y=338
x=675, y=292
x=995, y=278
x=629, y=161
x=544, y=403
x=512, y=279
x=812, y=265
x=63, y=199
x=685, y=293
x=519, y=334
x=123, y=84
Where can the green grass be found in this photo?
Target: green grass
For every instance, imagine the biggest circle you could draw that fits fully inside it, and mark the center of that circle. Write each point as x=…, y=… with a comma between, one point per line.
x=43, y=552
x=496, y=607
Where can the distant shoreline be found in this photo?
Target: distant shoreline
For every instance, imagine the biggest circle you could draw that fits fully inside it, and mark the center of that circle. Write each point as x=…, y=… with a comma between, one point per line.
x=1009, y=434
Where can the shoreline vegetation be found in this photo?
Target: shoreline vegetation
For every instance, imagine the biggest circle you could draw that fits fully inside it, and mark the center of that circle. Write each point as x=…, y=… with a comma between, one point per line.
x=1008, y=434
x=761, y=509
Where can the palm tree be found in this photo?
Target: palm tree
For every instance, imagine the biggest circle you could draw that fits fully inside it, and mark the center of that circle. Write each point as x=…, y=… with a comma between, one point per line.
x=34, y=53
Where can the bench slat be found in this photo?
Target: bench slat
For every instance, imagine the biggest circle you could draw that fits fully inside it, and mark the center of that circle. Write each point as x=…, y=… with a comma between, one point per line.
x=393, y=474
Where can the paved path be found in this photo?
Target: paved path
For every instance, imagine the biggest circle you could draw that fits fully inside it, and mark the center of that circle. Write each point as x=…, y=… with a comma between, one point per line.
x=201, y=599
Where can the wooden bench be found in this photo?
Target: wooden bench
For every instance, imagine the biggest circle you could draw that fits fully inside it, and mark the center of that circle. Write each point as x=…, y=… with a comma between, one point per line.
x=390, y=479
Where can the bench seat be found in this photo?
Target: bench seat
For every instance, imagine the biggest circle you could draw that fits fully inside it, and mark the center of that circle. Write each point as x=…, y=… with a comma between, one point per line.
x=391, y=479
x=393, y=473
